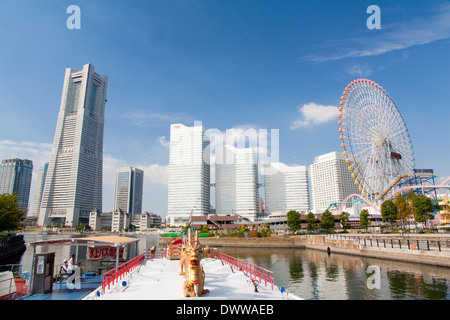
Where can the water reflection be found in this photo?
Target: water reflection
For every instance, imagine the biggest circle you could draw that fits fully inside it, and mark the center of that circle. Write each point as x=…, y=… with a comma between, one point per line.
x=316, y=275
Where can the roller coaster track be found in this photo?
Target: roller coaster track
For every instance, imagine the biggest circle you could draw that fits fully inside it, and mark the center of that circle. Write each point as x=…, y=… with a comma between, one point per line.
x=341, y=207
x=439, y=186
x=400, y=178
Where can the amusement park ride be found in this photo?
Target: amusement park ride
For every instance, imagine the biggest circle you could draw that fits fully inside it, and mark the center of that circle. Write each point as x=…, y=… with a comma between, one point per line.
x=377, y=148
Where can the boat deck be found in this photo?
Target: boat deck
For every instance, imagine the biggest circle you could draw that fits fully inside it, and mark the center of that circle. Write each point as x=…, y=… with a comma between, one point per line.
x=159, y=279
x=61, y=291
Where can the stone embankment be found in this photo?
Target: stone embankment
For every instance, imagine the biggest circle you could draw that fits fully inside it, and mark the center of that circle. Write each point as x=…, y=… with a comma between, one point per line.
x=434, y=252
x=11, y=246
x=421, y=249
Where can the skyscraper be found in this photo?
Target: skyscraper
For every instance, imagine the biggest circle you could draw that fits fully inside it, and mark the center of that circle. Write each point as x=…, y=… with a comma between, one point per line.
x=330, y=181
x=40, y=182
x=189, y=178
x=237, y=181
x=129, y=188
x=15, y=177
x=286, y=188
x=73, y=187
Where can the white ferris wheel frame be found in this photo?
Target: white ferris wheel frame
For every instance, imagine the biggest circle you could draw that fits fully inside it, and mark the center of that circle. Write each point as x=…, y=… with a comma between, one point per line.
x=374, y=137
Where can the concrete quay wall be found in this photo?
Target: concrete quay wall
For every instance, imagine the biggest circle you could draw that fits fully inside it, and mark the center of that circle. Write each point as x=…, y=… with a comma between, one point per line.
x=322, y=243
x=349, y=246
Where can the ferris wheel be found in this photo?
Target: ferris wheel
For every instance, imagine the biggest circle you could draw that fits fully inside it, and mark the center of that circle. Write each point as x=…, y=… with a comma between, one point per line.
x=376, y=143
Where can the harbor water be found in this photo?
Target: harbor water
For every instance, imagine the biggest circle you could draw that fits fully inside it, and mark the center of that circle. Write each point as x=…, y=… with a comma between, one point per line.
x=311, y=274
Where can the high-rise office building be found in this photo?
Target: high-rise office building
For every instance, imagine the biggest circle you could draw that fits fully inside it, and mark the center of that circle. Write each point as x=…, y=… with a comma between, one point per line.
x=73, y=186
x=15, y=177
x=330, y=181
x=189, y=177
x=129, y=190
x=285, y=188
x=39, y=187
x=237, y=181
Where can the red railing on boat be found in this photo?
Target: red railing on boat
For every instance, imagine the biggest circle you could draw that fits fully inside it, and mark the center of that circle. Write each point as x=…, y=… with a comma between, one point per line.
x=114, y=275
x=254, y=272
x=251, y=270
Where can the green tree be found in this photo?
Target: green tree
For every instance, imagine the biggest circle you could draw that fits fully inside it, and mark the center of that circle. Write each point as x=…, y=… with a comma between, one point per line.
x=423, y=208
x=388, y=212
x=327, y=222
x=243, y=228
x=404, y=208
x=11, y=216
x=293, y=220
x=85, y=226
x=364, y=220
x=264, y=229
x=185, y=228
x=312, y=222
x=204, y=228
x=344, y=219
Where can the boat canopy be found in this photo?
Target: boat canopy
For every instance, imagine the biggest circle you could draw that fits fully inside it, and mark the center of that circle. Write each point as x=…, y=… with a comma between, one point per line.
x=115, y=241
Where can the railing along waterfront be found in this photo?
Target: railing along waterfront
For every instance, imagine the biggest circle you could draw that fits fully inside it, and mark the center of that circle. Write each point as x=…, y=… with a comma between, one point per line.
x=256, y=273
x=397, y=242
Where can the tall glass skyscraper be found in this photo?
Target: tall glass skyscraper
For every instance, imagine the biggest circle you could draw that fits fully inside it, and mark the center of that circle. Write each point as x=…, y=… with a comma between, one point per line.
x=189, y=177
x=15, y=177
x=39, y=188
x=237, y=181
x=73, y=187
x=129, y=190
x=285, y=188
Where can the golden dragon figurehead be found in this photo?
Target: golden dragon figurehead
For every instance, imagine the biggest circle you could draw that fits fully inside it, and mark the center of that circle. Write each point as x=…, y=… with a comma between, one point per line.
x=195, y=276
x=193, y=256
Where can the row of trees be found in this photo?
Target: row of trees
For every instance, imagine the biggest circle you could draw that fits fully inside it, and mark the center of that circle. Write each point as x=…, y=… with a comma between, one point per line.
x=400, y=210
x=294, y=221
x=327, y=222
x=417, y=206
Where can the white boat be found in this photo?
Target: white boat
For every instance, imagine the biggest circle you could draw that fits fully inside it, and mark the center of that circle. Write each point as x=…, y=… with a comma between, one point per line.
x=159, y=279
x=154, y=276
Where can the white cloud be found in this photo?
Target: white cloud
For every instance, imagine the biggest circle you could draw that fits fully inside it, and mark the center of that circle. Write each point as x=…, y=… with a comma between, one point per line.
x=393, y=37
x=144, y=118
x=314, y=114
x=155, y=181
x=359, y=70
x=156, y=173
x=37, y=152
x=110, y=167
x=162, y=141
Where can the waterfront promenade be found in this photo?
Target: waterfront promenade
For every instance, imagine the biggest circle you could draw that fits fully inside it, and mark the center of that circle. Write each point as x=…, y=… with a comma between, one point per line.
x=430, y=249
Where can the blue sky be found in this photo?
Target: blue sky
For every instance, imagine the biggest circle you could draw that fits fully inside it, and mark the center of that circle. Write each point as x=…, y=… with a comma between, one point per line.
x=230, y=64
